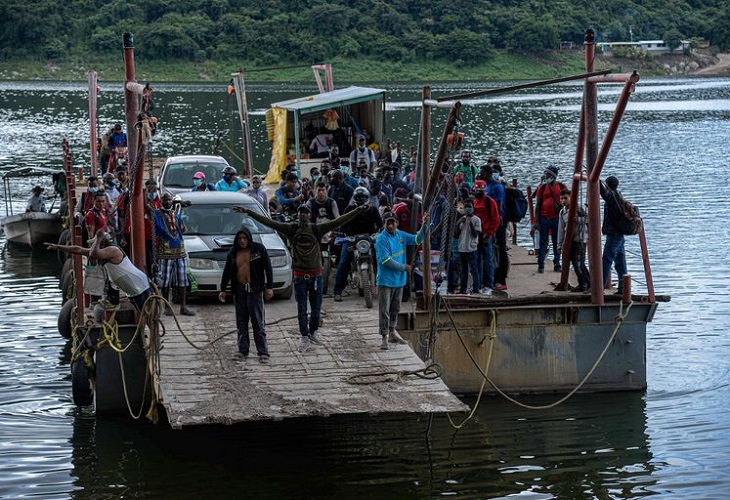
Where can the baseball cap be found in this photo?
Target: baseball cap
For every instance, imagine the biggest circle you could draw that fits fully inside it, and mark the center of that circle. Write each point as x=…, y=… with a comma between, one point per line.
x=199, y=175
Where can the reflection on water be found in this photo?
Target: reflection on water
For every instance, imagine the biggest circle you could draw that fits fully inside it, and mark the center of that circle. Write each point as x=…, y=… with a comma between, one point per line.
x=670, y=156
x=585, y=449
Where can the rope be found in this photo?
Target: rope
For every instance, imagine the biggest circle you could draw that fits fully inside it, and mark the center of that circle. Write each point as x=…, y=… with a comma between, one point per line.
x=431, y=371
x=492, y=336
x=620, y=317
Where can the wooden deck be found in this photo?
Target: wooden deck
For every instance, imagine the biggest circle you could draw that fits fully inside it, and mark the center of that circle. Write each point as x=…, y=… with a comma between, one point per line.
x=214, y=385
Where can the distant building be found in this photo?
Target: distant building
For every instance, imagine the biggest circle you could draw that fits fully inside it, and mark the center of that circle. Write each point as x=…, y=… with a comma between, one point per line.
x=650, y=46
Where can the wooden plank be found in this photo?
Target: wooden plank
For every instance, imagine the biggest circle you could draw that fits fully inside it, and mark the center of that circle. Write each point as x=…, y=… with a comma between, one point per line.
x=214, y=385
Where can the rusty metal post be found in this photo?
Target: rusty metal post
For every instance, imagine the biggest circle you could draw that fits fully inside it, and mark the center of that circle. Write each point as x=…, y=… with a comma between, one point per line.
x=92, y=121
x=441, y=155
x=593, y=192
x=74, y=232
x=240, y=85
x=573, y=210
x=626, y=288
x=425, y=165
x=647, y=266
x=613, y=127
x=133, y=140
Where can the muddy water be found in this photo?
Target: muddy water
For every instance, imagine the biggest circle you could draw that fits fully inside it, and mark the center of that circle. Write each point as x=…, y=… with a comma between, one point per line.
x=670, y=155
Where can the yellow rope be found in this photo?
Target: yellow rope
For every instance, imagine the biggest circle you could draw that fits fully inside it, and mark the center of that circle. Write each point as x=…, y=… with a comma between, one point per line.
x=492, y=336
x=618, y=320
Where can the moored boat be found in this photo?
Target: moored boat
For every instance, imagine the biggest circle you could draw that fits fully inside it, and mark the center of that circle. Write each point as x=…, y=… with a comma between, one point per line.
x=31, y=228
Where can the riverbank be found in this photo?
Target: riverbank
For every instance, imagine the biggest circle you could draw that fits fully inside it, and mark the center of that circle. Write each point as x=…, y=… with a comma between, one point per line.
x=503, y=66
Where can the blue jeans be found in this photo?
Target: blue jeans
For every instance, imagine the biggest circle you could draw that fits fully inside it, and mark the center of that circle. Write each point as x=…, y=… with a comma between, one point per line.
x=551, y=226
x=485, y=262
x=308, y=289
x=250, y=307
x=343, y=267
x=613, y=252
x=469, y=264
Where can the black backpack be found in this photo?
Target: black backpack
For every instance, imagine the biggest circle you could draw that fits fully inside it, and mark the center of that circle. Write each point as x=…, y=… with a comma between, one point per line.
x=515, y=204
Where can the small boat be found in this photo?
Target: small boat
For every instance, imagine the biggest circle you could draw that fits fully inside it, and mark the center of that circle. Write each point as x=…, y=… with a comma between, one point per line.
x=30, y=228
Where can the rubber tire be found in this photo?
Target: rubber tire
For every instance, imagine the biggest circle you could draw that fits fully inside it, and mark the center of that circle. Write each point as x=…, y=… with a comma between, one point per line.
x=366, y=287
x=62, y=239
x=67, y=287
x=81, y=387
x=326, y=267
x=287, y=293
x=67, y=268
x=64, y=319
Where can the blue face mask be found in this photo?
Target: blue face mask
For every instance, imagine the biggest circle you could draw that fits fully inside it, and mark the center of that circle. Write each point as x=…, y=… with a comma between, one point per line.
x=197, y=182
x=345, y=169
x=93, y=190
x=151, y=196
x=227, y=178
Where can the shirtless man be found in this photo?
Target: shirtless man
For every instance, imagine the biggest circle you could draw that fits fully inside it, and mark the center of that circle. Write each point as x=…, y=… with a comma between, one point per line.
x=248, y=271
x=118, y=267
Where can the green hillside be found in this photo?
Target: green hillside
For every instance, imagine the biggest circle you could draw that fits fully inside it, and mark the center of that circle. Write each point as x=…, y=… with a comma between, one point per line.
x=365, y=39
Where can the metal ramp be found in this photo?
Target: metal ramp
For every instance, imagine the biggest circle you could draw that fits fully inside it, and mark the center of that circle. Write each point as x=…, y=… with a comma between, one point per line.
x=214, y=386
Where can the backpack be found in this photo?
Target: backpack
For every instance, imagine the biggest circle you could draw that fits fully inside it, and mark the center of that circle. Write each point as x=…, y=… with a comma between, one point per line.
x=515, y=204
x=631, y=222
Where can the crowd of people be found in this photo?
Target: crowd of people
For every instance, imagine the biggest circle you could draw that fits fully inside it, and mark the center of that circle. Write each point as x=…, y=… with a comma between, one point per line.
x=366, y=194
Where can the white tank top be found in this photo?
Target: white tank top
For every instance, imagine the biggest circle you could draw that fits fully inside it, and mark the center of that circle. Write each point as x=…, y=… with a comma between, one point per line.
x=127, y=277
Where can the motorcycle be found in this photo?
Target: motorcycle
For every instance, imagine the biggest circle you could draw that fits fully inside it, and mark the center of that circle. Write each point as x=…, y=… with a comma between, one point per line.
x=362, y=272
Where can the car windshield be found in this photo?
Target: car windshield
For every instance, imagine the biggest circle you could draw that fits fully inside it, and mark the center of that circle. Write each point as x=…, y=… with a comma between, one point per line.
x=180, y=175
x=210, y=219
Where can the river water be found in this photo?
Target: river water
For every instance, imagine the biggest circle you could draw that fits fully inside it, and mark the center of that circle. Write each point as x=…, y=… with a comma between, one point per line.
x=672, y=441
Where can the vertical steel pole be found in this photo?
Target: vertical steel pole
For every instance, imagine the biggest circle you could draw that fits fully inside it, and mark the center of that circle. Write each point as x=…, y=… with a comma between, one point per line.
x=425, y=167
x=593, y=192
x=573, y=210
x=647, y=266
x=240, y=86
x=133, y=140
x=92, y=120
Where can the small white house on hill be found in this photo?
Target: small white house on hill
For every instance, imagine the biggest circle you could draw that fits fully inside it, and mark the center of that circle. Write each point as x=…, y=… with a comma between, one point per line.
x=651, y=46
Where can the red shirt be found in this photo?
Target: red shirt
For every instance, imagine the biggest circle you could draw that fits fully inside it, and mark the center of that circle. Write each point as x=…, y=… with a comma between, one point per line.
x=94, y=221
x=547, y=196
x=488, y=212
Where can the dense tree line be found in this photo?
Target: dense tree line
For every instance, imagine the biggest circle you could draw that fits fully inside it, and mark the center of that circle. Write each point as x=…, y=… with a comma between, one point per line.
x=268, y=32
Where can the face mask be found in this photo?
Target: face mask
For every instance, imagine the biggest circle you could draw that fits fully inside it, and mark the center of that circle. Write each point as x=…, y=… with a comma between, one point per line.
x=479, y=194
x=496, y=177
x=344, y=169
x=469, y=210
x=197, y=182
x=166, y=209
x=93, y=190
x=227, y=178
x=151, y=196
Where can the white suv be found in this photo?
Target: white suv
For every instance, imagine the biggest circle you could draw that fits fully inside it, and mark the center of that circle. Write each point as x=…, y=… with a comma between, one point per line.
x=211, y=226
x=176, y=174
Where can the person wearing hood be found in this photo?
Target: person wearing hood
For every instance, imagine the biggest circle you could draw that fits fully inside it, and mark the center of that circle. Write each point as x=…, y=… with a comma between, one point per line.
x=363, y=152
x=249, y=274
x=548, y=210
x=305, y=238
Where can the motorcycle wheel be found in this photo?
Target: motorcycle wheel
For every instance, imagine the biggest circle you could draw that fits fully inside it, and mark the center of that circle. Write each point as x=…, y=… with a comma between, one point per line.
x=366, y=287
